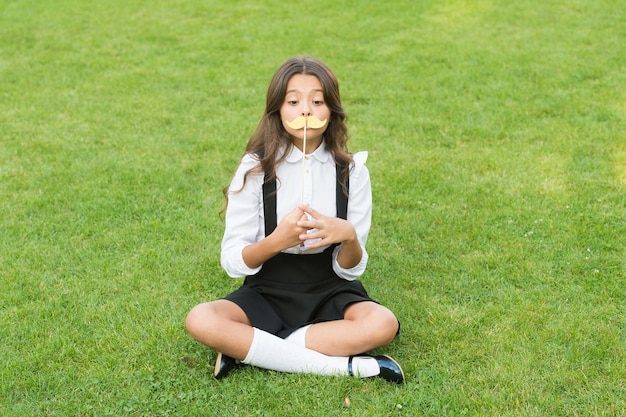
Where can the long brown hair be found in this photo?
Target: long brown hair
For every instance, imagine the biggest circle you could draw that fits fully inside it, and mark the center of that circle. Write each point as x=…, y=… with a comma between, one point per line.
x=270, y=135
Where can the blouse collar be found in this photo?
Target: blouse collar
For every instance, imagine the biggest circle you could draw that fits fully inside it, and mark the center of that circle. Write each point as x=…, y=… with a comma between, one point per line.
x=321, y=154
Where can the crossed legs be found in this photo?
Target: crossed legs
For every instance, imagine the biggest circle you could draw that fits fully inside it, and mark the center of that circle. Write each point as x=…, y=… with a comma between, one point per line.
x=327, y=348
x=224, y=327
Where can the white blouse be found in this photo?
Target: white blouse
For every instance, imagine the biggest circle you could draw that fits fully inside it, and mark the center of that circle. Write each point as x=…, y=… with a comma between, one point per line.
x=245, y=222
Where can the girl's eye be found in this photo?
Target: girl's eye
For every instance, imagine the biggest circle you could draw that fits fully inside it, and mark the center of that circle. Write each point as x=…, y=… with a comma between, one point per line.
x=318, y=102
x=292, y=102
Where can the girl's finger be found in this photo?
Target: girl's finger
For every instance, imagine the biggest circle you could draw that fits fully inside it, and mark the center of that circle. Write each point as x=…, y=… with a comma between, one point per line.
x=309, y=223
x=309, y=210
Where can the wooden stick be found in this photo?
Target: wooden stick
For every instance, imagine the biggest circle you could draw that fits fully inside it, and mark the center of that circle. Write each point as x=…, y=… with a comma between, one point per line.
x=303, y=163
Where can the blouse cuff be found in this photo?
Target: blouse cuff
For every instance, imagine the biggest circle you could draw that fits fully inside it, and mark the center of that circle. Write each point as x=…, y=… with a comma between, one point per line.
x=235, y=266
x=352, y=273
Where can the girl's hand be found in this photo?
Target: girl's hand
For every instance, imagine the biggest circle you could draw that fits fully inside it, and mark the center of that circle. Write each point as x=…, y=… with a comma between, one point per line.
x=288, y=231
x=286, y=235
x=329, y=229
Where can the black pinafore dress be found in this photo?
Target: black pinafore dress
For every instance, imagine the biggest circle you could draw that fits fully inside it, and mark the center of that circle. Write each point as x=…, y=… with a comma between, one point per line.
x=291, y=291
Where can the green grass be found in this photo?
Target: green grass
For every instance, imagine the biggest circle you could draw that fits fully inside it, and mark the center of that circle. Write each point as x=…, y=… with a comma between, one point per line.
x=497, y=141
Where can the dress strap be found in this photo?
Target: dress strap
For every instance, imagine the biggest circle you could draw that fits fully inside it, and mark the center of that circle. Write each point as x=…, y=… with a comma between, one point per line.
x=269, y=204
x=342, y=198
x=269, y=199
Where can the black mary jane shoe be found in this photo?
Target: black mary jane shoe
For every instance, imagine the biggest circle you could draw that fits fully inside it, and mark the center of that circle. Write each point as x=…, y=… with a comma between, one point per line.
x=390, y=370
x=223, y=365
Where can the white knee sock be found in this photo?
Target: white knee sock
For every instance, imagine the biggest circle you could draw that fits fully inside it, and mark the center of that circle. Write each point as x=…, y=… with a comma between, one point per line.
x=299, y=336
x=271, y=352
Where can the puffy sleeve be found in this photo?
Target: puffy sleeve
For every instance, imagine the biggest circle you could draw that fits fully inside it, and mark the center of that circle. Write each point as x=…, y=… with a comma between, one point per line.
x=359, y=214
x=244, y=219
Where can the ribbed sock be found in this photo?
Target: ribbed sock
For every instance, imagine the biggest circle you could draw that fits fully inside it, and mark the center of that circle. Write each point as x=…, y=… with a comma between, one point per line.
x=271, y=352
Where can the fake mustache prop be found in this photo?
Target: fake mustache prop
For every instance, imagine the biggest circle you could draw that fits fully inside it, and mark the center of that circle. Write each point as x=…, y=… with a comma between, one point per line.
x=300, y=122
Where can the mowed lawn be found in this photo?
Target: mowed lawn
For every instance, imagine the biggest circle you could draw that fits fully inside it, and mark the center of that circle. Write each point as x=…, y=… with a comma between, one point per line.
x=496, y=133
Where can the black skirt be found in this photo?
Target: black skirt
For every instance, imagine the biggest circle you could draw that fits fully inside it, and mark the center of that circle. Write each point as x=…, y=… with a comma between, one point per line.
x=291, y=291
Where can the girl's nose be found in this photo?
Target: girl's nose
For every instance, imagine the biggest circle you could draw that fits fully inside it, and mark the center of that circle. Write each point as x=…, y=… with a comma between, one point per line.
x=306, y=111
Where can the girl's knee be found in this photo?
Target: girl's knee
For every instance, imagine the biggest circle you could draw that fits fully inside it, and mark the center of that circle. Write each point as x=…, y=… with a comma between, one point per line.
x=200, y=319
x=194, y=318
x=213, y=318
x=386, y=325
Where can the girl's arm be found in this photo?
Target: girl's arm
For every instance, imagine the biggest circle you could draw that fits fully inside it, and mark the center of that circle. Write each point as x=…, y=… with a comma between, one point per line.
x=243, y=219
x=286, y=235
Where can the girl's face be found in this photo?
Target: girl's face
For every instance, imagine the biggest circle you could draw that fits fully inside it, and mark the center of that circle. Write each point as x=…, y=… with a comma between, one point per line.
x=305, y=98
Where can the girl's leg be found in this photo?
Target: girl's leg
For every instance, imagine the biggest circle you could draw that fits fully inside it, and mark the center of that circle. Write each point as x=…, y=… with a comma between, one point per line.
x=366, y=326
x=272, y=352
x=223, y=326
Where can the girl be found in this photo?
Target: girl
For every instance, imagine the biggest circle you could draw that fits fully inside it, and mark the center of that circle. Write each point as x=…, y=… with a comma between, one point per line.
x=297, y=219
